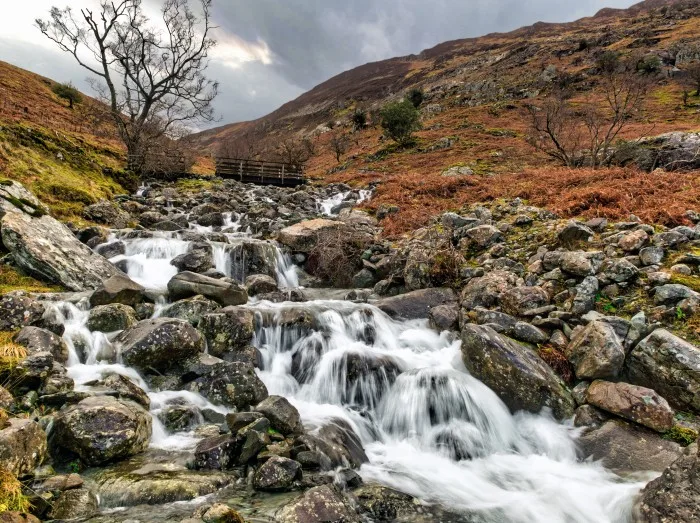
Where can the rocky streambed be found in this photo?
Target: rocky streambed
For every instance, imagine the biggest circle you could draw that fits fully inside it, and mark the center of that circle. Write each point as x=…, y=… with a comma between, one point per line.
x=501, y=365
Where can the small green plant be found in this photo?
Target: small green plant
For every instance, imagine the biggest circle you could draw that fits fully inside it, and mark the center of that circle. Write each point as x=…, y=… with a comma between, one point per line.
x=415, y=96
x=680, y=315
x=359, y=120
x=399, y=121
x=68, y=92
x=272, y=432
x=74, y=466
x=682, y=435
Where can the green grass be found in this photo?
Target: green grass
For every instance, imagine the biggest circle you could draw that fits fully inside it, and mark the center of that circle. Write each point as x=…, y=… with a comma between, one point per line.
x=12, y=279
x=682, y=435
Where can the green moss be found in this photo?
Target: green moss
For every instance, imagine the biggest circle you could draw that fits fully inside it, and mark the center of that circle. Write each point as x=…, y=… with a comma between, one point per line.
x=692, y=282
x=12, y=279
x=682, y=435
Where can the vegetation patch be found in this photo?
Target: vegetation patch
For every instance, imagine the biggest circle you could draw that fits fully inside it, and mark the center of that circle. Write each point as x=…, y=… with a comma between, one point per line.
x=682, y=435
x=11, y=496
x=12, y=279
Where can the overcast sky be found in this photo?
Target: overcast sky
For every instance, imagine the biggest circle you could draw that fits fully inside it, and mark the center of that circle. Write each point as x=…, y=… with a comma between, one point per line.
x=271, y=51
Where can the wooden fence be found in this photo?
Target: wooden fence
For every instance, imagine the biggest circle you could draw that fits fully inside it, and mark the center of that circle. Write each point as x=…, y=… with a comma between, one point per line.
x=261, y=172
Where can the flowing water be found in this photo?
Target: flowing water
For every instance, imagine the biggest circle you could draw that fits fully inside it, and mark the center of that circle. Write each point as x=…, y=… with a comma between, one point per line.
x=428, y=427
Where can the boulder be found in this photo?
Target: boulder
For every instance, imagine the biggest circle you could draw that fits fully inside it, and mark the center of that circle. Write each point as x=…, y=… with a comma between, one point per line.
x=228, y=332
x=416, y=304
x=574, y=232
x=673, y=293
x=101, y=429
x=118, y=288
x=673, y=497
x=159, y=344
x=514, y=372
x=22, y=446
x=277, y=474
x=445, y=317
x=632, y=402
x=17, y=310
x=260, y=284
x=596, y=351
x=283, y=416
x=111, y=318
x=76, y=503
x=625, y=447
x=42, y=340
x=634, y=241
x=216, y=453
x=651, y=255
x=322, y=504
x=221, y=513
x=337, y=443
x=484, y=236
x=107, y=213
x=232, y=384
x=188, y=284
x=487, y=290
x=303, y=236
x=518, y=300
x=43, y=246
x=190, y=309
x=670, y=366
x=199, y=259
x=127, y=389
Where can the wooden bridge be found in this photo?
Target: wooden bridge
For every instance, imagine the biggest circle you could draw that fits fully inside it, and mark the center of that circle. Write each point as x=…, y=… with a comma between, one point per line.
x=261, y=172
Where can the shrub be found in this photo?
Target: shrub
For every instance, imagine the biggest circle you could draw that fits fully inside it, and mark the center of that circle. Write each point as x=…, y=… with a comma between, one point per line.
x=359, y=120
x=11, y=496
x=399, y=121
x=649, y=64
x=68, y=92
x=415, y=96
x=337, y=256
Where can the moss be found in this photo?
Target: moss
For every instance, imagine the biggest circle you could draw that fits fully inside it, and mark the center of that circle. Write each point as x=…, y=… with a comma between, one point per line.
x=12, y=279
x=692, y=282
x=195, y=184
x=11, y=496
x=682, y=435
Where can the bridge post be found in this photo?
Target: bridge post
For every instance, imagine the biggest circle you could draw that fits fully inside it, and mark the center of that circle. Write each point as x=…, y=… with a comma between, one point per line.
x=240, y=170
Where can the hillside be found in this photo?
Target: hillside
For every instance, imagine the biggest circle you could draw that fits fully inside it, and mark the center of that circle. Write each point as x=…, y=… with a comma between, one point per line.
x=474, y=115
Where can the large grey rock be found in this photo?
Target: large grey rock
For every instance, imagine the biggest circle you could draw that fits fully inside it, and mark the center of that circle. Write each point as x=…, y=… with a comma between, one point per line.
x=303, y=236
x=119, y=288
x=670, y=366
x=337, y=443
x=111, y=318
x=487, y=290
x=232, y=384
x=159, y=344
x=190, y=309
x=189, y=284
x=36, y=340
x=228, y=332
x=596, y=352
x=43, y=246
x=514, y=372
x=283, y=416
x=72, y=504
x=107, y=213
x=322, y=504
x=675, y=495
x=521, y=299
x=574, y=232
x=673, y=293
x=416, y=304
x=22, y=446
x=277, y=474
x=17, y=310
x=483, y=236
x=632, y=402
x=100, y=429
x=199, y=259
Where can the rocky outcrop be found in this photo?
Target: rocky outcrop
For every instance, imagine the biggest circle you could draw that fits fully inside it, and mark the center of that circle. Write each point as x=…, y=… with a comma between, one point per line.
x=283, y=416
x=596, y=352
x=45, y=247
x=228, y=332
x=111, y=318
x=303, y=236
x=101, y=429
x=514, y=372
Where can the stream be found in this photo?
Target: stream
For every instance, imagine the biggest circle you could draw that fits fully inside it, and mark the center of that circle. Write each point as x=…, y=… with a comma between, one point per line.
x=429, y=428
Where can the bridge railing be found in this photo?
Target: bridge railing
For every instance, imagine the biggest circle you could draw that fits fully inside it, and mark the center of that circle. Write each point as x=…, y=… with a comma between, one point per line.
x=260, y=171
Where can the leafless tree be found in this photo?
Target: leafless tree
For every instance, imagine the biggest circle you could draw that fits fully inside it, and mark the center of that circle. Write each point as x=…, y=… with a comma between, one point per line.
x=152, y=79
x=245, y=146
x=339, y=145
x=579, y=133
x=295, y=151
x=692, y=75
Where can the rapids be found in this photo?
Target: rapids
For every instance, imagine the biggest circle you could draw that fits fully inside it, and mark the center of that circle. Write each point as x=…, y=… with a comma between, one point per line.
x=428, y=427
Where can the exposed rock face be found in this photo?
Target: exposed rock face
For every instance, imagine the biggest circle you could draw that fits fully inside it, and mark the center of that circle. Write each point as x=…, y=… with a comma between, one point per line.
x=416, y=304
x=228, y=331
x=515, y=372
x=107, y=213
x=318, y=505
x=188, y=284
x=302, y=237
x=45, y=247
x=596, y=352
x=674, y=496
x=102, y=429
x=22, y=446
x=670, y=366
x=36, y=340
x=638, y=404
x=159, y=344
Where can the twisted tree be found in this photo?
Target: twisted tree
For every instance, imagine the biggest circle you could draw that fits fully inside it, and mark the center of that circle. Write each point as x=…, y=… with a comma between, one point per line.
x=151, y=76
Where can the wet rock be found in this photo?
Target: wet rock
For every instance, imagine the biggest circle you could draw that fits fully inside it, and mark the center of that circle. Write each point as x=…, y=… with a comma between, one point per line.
x=107, y=213
x=111, y=318
x=101, y=429
x=42, y=340
x=159, y=344
x=167, y=225
x=252, y=439
x=277, y=474
x=638, y=404
x=670, y=366
x=416, y=304
x=283, y=416
x=74, y=504
x=232, y=384
x=515, y=372
x=625, y=447
x=365, y=279
x=198, y=259
x=444, y=317
x=179, y=418
x=118, y=289
x=260, y=284
x=127, y=389
x=18, y=310
x=322, y=504
x=112, y=249
x=487, y=290
x=385, y=504
x=43, y=246
x=191, y=310
x=228, y=331
x=518, y=300
x=673, y=497
x=220, y=513
x=22, y=446
x=303, y=236
x=238, y=420
x=216, y=453
x=596, y=351
x=338, y=443
x=188, y=284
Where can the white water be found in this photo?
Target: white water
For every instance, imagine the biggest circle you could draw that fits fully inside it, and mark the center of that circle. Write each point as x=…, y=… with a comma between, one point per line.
x=326, y=206
x=436, y=432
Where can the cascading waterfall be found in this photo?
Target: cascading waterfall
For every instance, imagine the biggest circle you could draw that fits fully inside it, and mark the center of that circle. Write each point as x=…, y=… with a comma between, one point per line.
x=429, y=428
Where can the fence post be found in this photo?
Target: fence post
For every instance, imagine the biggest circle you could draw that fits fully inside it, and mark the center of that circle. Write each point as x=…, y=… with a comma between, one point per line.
x=262, y=173
x=240, y=170
x=282, y=174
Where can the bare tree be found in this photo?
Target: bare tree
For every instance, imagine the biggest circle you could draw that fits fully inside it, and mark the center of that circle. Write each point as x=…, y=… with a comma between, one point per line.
x=153, y=80
x=243, y=147
x=578, y=133
x=339, y=145
x=294, y=151
x=692, y=76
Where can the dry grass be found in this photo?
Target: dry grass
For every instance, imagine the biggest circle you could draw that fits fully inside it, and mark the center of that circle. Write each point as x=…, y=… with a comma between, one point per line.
x=11, y=496
x=558, y=361
x=11, y=279
x=11, y=354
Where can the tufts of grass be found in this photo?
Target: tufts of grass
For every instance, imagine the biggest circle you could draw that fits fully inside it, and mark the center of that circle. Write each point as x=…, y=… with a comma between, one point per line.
x=11, y=354
x=12, y=279
x=11, y=495
x=558, y=361
x=692, y=282
x=682, y=435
